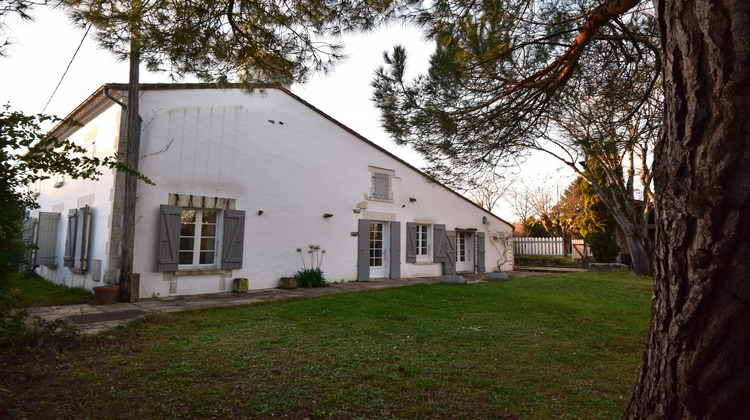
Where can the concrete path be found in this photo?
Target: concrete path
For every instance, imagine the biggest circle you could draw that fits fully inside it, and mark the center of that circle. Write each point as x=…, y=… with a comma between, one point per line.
x=93, y=319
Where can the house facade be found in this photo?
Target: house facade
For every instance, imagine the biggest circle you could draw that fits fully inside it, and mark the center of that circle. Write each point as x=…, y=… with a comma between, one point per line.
x=242, y=181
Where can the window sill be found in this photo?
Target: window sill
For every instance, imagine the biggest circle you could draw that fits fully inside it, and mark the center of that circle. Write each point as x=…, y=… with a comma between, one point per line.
x=424, y=263
x=382, y=200
x=196, y=271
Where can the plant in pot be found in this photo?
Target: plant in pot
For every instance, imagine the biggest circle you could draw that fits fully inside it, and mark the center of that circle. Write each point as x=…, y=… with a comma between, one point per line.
x=105, y=295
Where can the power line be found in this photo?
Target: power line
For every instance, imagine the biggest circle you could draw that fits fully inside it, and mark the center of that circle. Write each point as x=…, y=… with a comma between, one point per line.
x=66, y=69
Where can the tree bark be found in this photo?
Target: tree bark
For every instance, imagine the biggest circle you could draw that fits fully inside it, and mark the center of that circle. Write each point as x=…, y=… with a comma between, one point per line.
x=131, y=158
x=697, y=364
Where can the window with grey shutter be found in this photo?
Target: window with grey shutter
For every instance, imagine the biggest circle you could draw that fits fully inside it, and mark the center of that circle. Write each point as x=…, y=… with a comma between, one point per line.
x=411, y=242
x=480, y=253
x=395, y=250
x=439, y=254
x=380, y=181
x=449, y=260
x=47, y=239
x=363, y=250
x=169, y=237
x=234, y=237
x=82, y=240
x=70, y=238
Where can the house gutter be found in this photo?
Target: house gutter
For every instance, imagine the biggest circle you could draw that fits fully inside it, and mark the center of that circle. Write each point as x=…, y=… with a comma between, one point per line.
x=115, y=100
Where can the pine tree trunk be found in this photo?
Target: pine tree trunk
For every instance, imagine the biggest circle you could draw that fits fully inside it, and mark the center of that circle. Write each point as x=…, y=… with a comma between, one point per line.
x=697, y=364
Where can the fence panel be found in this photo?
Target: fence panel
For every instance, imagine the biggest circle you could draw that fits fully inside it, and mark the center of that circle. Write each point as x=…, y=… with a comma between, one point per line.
x=580, y=249
x=548, y=247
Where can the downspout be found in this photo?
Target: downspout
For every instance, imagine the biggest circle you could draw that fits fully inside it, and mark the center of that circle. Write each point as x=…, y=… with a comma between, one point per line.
x=113, y=99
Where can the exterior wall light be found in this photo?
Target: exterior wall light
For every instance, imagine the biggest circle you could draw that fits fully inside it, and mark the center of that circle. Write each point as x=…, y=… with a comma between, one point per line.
x=327, y=215
x=260, y=212
x=412, y=199
x=484, y=220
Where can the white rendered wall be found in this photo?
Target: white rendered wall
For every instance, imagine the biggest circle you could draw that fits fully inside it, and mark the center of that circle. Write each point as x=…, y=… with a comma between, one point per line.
x=75, y=193
x=273, y=153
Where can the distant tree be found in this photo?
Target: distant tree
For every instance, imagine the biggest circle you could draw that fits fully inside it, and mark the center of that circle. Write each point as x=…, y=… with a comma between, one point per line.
x=596, y=225
x=559, y=219
x=564, y=78
x=488, y=190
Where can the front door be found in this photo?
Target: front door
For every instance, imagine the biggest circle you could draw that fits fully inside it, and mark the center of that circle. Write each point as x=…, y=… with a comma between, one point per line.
x=464, y=252
x=379, y=240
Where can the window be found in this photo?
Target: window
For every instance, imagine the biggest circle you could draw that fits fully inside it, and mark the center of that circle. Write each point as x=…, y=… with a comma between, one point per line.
x=422, y=235
x=46, y=240
x=198, y=229
x=418, y=242
x=381, y=187
x=77, y=243
x=192, y=238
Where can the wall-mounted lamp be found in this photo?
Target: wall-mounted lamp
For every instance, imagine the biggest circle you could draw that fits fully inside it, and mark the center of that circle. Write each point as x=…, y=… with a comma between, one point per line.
x=484, y=220
x=412, y=199
x=357, y=211
x=327, y=215
x=260, y=212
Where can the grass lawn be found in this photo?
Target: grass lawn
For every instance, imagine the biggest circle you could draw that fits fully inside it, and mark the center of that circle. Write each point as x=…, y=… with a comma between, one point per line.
x=555, y=346
x=36, y=291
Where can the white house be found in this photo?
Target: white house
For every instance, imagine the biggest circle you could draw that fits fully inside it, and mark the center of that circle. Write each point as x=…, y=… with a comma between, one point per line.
x=242, y=181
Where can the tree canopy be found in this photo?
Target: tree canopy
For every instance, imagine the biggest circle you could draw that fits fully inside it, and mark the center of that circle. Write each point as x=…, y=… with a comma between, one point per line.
x=218, y=41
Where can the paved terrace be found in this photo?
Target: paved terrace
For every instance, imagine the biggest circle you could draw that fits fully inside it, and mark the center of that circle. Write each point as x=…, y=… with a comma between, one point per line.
x=93, y=319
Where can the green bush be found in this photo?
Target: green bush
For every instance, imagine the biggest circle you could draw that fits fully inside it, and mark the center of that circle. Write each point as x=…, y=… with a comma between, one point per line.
x=604, y=246
x=20, y=332
x=311, y=277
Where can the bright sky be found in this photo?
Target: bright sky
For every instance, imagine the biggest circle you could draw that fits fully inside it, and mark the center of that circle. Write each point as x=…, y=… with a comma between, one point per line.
x=42, y=49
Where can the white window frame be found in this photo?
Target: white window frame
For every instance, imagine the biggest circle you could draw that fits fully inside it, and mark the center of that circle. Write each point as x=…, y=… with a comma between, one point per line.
x=197, y=237
x=424, y=243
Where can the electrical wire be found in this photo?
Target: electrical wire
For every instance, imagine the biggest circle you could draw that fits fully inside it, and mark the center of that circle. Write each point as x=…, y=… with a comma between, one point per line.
x=67, y=68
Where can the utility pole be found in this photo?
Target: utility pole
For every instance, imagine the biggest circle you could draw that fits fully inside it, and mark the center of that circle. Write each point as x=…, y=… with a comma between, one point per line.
x=131, y=159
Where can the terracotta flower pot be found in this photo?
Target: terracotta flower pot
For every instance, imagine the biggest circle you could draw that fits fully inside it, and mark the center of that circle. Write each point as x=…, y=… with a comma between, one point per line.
x=104, y=295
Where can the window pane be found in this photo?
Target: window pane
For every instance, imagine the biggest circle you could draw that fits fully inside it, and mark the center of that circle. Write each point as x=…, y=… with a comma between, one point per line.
x=209, y=216
x=188, y=216
x=186, y=244
x=208, y=230
x=208, y=244
x=187, y=229
x=207, y=257
x=186, y=257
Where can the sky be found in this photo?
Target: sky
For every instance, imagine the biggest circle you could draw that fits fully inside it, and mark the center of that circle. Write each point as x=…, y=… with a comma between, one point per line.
x=41, y=51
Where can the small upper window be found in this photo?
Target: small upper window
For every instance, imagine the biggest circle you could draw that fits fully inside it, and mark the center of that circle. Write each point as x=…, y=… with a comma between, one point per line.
x=382, y=184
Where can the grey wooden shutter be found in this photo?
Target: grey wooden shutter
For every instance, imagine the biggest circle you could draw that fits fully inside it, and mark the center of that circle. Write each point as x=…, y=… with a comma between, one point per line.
x=30, y=236
x=411, y=242
x=70, y=238
x=234, y=237
x=480, y=253
x=449, y=261
x=47, y=238
x=363, y=250
x=83, y=232
x=438, y=250
x=395, y=250
x=381, y=185
x=169, y=238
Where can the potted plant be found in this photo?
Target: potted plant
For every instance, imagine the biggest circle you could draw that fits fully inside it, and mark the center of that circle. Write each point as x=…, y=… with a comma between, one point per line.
x=105, y=295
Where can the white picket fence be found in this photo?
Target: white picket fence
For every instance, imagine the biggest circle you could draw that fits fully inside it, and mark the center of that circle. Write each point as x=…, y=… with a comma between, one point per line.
x=549, y=247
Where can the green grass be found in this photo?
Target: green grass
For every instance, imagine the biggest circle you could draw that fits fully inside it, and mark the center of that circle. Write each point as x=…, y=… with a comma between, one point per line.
x=555, y=346
x=36, y=291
